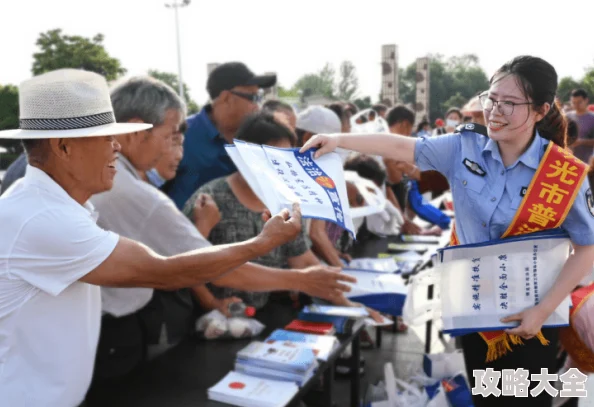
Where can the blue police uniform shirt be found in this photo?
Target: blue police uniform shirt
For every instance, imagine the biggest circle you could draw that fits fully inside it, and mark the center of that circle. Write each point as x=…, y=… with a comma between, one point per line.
x=204, y=158
x=486, y=194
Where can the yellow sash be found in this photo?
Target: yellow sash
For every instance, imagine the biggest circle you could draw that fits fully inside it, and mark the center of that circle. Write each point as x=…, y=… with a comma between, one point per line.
x=547, y=202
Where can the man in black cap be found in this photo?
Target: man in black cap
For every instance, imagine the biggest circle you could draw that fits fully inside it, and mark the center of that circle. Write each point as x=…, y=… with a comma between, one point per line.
x=235, y=93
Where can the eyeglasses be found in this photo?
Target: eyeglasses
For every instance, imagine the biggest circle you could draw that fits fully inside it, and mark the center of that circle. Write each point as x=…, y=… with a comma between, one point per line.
x=252, y=97
x=505, y=107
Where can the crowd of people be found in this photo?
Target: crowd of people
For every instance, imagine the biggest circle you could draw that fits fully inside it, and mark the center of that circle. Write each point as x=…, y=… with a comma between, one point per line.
x=121, y=190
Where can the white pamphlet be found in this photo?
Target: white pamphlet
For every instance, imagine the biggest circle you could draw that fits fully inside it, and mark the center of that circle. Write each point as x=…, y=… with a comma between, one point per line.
x=386, y=265
x=283, y=176
x=486, y=282
x=247, y=391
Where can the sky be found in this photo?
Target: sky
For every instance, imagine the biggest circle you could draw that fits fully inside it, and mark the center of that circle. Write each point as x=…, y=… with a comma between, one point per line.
x=295, y=38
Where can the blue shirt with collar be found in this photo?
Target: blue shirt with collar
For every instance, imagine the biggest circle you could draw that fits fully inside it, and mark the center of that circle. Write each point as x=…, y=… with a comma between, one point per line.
x=487, y=194
x=204, y=158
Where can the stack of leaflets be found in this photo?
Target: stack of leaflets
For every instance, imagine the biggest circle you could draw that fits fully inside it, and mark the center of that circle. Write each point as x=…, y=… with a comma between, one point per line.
x=417, y=247
x=286, y=361
x=421, y=239
x=406, y=262
x=381, y=291
x=247, y=391
x=385, y=265
x=346, y=320
x=321, y=345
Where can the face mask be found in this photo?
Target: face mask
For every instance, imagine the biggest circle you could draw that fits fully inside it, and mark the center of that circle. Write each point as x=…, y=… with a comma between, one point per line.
x=452, y=123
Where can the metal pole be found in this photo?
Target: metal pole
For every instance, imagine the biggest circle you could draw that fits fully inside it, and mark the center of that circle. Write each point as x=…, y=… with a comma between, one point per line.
x=179, y=67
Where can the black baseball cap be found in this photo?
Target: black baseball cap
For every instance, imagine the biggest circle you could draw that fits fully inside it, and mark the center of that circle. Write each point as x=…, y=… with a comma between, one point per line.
x=231, y=74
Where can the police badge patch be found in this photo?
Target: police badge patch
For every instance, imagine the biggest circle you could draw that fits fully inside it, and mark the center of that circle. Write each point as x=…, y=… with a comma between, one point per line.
x=474, y=167
x=590, y=201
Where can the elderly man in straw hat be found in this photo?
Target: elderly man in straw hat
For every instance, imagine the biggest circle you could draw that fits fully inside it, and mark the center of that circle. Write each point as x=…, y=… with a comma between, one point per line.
x=53, y=256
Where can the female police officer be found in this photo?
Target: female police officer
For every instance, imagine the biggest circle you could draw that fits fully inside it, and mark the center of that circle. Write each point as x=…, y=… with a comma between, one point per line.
x=489, y=172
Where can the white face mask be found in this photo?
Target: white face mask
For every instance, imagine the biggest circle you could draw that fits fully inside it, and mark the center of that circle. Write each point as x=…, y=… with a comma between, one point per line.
x=452, y=123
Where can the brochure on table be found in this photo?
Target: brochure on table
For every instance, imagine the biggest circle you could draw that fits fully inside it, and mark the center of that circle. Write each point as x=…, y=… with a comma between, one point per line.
x=380, y=291
x=247, y=391
x=384, y=265
x=283, y=176
x=486, y=282
x=321, y=345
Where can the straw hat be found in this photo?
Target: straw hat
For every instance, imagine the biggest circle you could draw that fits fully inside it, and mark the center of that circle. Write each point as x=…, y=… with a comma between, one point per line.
x=67, y=103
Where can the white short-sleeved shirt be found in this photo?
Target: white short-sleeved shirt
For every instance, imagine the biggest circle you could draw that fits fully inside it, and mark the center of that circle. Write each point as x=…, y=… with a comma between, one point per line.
x=137, y=210
x=49, y=321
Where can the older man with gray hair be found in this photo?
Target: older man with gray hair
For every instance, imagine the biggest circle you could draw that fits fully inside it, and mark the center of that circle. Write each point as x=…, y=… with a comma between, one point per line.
x=53, y=256
x=137, y=210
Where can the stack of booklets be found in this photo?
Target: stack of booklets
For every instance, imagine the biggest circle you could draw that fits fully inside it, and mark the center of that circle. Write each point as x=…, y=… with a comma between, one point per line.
x=247, y=391
x=286, y=361
x=346, y=320
x=321, y=345
x=406, y=262
x=315, y=328
x=386, y=265
x=381, y=291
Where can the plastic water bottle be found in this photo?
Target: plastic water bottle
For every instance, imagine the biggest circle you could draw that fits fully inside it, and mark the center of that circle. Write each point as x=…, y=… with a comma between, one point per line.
x=239, y=309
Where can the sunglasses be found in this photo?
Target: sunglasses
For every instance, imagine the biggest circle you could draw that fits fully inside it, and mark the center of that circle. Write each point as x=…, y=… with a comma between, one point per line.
x=252, y=97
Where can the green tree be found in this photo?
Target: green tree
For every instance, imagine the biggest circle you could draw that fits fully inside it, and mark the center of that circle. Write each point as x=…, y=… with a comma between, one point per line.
x=407, y=84
x=172, y=80
x=57, y=50
x=320, y=83
x=287, y=93
x=566, y=85
x=363, y=103
x=455, y=101
x=9, y=119
x=447, y=77
x=349, y=83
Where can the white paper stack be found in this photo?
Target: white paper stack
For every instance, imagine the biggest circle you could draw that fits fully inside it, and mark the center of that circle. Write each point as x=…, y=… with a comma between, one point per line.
x=420, y=239
x=385, y=265
x=380, y=291
x=321, y=345
x=283, y=176
x=246, y=391
x=285, y=361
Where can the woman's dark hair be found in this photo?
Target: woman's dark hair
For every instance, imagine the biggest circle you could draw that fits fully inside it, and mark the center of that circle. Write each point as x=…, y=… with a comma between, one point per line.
x=572, y=132
x=380, y=108
x=538, y=80
x=263, y=128
x=352, y=108
x=340, y=111
x=454, y=110
x=367, y=167
x=421, y=125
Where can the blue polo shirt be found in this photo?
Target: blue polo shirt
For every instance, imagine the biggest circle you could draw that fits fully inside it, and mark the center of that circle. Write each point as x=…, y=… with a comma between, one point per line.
x=204, y=158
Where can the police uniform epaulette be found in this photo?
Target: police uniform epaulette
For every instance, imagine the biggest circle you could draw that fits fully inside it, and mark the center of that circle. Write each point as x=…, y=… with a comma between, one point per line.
x=472, y=127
